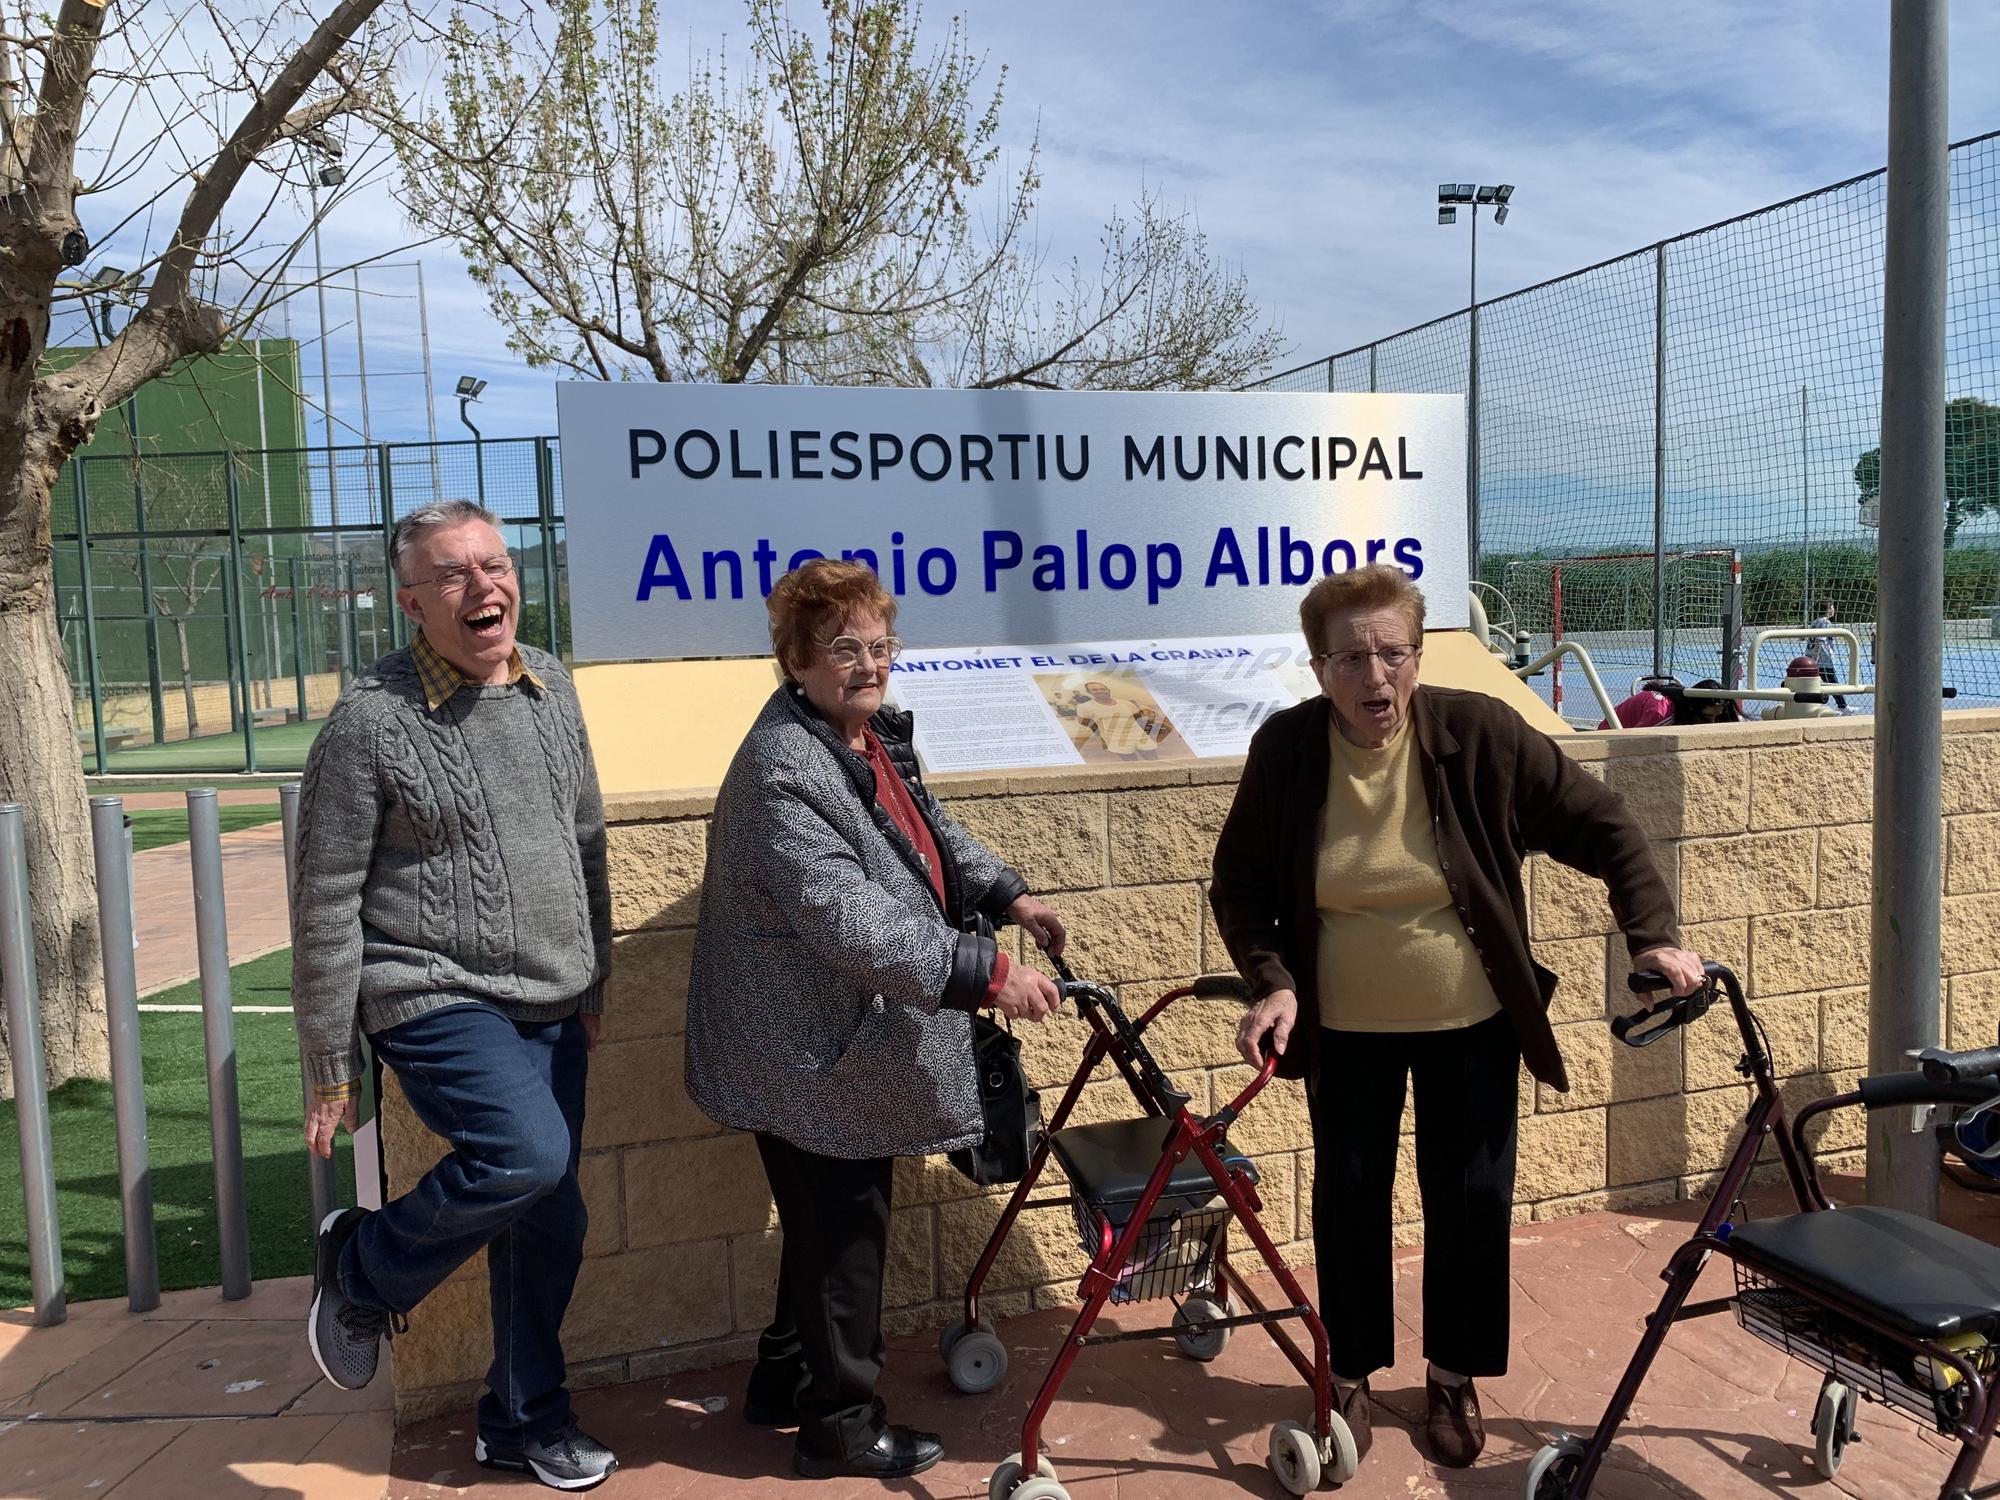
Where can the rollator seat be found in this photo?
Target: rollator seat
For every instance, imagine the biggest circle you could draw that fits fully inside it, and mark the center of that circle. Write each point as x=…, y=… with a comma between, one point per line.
x=1918, y=1277
x=1108, y=1165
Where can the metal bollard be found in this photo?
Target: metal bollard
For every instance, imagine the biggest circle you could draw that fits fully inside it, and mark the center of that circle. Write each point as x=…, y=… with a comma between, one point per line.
x=111, y=841
x=21, y=991
x=320, y=1170
x=218, y=1024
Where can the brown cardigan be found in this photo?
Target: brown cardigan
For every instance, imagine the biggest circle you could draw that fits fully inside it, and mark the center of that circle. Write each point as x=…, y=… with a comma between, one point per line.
x=1498, y=789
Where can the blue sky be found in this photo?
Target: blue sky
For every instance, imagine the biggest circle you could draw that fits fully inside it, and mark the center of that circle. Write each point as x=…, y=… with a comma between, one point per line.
x=1309, y=139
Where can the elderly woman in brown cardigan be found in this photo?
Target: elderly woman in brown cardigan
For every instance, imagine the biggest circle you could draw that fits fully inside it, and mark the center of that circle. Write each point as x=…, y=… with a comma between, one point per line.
x=1368, y=885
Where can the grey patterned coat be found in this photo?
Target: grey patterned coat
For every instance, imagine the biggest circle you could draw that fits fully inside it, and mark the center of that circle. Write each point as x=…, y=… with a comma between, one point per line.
x=830, y=1000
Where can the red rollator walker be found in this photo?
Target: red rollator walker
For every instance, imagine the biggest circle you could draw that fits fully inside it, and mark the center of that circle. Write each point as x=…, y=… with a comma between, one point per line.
x=1153, y=1199
x=1895, y=1309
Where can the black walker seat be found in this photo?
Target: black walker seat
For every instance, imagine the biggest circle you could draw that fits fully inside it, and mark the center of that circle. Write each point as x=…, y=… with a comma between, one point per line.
x=1895, y=1309
x=1153, y=1199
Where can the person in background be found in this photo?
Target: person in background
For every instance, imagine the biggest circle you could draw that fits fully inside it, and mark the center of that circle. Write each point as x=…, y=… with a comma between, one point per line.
x=1368, y=884
x=1820, y=649
x=450, y=899
x=845, y=939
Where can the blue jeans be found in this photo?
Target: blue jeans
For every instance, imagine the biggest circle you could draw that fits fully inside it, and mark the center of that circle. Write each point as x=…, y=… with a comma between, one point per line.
x=508, y=1097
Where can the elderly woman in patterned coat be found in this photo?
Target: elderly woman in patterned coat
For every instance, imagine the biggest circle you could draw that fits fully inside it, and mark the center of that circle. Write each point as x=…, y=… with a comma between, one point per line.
x=845, y=941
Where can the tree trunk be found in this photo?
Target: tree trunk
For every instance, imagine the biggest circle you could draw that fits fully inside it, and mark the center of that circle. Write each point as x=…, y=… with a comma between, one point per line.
x=187, y=676
x=41, y=769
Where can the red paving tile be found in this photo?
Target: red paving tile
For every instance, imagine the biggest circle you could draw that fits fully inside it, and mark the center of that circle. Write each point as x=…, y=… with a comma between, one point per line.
x=253, y=897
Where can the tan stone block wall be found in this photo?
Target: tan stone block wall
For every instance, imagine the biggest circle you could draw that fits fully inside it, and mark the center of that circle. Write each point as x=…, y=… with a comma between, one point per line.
x=1762, y=832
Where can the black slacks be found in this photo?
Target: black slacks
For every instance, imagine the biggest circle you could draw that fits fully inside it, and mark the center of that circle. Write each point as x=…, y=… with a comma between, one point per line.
x=835, y=1215
x=1466, y=1086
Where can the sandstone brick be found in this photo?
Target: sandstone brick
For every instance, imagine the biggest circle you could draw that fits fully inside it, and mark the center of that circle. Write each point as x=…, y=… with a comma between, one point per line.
x=1277, y=1119
x=1145, y=932
x=1560, y=1155
x=1646, y=1141
x=656, y=871
x=637, y=1094
x=1807, y=786
x=1725, y=943
x=1685, y=795
x=408, y=1149
x=1971, y=773
x=1846, y=858
x=1971, y=932
x=450, y=1339
x=1972, y=856
x=1166, y=835
x=1058, y=843
x=911, y=1272
x=753, y=1278
x=1748, y=875
x=1042, y=1247
x=1195, y=1033
x=1791, y=1023
x=1843, y=1028
x=691, y=1190
x=1581, y=977
x=1974, y=1010
x=1215, y=957
x=1714, y=1124
x=1406, y=1199
x=1284, y=1216
x=603, y=1200
x=1110, y=1098
x=1566, y=903
x=1602, y=1069
x=933, y=1179
x=1611, y=1200
x=647, y=992
x=648, y=1299
x=1809, y=951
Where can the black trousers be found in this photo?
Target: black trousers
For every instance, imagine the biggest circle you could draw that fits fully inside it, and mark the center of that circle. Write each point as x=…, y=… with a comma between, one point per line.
x=835, y=1214
x=1466, y=1083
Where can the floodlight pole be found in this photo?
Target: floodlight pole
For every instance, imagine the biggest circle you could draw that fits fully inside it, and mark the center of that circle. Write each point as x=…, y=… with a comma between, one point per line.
x=1909, y=728
x=1472, y=403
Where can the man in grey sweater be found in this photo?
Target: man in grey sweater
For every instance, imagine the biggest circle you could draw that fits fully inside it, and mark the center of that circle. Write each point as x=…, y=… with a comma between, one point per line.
x=450, y=900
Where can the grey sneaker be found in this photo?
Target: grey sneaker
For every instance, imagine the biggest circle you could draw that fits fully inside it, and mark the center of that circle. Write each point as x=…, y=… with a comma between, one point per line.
x=567, y=1459
x=346, y=1337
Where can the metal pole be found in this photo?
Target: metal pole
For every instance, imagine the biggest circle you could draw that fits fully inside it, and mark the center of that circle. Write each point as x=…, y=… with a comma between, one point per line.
x=1371, y=367
x=1472, y=405
x=321, y=1173
x=153, y=685
x=90, y=616
x=1807, y=614
x=545, y=504
x=110, y=844
x=218, y=1028
x=326, y=383
x=361, y=360
x=234, y=579
x=298, y=644
x=353, y=613
x=430, y=392
x=22, y=994
x=386, y=471
x=1909, y=729
x=1659, y=459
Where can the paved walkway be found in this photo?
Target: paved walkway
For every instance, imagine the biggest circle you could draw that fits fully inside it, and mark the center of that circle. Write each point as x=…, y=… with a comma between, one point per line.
x=253, y=897
x=205, y=1400
x=199, y=1400
x=229, y=796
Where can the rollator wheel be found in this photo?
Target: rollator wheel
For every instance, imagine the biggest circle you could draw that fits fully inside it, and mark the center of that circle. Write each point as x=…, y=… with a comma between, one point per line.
x=977, y=1362
x=1007, y=1478
x=1041, y=1489
x=1553, y=1470
x=1833, y=1426
x=950, y=1336
x=1298, y=1463
x=1210, y=1342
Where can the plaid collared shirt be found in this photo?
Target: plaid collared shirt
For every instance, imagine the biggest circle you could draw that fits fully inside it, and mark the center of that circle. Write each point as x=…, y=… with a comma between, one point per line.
x=440, y=679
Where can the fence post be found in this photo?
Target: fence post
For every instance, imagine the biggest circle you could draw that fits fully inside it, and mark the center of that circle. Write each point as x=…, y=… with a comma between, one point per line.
x=352, y=595
x=90, y=615
x=386, y=486
x=298, y=644
x=1659, y=457
x=236, y=638
x=321, y=1174
x=111, y=846
x=218, y=1026
x=153, y=685
x=545, y=513
x=22, y=995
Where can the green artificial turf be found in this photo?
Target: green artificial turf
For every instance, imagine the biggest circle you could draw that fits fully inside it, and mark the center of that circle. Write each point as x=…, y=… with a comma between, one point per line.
x=155, y=826
x=257, y=981
x=281, y=747
x=84, y=1137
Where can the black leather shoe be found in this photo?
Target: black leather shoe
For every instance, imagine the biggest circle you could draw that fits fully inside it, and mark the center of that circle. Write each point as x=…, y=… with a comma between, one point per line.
x=773, y=1397
x=898, y=1453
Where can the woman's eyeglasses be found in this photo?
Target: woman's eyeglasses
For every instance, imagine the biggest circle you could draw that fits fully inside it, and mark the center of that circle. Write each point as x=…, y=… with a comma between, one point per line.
x=847, y=650
x=1352, y=663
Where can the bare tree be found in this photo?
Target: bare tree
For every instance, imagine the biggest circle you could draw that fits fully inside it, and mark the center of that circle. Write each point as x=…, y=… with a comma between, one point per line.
x=128, y=104
x=814, y=219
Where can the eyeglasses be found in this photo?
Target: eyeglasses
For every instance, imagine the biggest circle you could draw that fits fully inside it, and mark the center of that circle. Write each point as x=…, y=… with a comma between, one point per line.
x=1351, y=663
x=846, y=650
x=456, y=579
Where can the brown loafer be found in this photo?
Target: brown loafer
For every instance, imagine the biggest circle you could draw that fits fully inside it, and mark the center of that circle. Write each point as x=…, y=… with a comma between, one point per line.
x=1353, y=1410
x=1456, y=1432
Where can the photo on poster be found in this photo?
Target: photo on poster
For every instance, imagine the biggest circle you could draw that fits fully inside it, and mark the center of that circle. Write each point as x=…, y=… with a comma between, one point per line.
x=1112, y=717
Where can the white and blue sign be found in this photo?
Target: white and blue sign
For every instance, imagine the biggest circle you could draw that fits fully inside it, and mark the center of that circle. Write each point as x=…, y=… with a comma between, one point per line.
x=997, y=517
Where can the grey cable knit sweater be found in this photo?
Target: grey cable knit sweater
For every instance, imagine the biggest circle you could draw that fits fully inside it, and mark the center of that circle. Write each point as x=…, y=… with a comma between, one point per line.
x=446, y=855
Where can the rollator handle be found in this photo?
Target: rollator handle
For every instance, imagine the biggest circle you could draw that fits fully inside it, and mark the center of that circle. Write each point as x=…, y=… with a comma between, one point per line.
x=1644, y=1027
x=1942, y=1066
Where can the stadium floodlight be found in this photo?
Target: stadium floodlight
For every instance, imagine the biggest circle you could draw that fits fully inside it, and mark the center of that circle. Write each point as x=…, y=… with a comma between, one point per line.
x=1486, y=195
x=1503, y=192
x=1500, y=214
x=1447, y=192
x=1466, y=191
x=1447, y=214
x=469, y=388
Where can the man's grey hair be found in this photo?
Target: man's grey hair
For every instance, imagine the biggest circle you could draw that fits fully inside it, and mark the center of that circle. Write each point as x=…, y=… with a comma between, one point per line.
x=433, y=517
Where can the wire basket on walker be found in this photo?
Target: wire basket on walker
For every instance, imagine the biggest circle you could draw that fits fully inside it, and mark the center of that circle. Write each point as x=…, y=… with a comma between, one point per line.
x=1153, y=1199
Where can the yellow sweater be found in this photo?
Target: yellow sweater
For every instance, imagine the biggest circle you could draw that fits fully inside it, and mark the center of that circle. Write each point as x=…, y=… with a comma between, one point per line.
x=1393, y=954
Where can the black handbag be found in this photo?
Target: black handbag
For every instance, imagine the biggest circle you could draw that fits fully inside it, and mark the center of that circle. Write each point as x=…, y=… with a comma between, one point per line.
x=1013, y=1111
